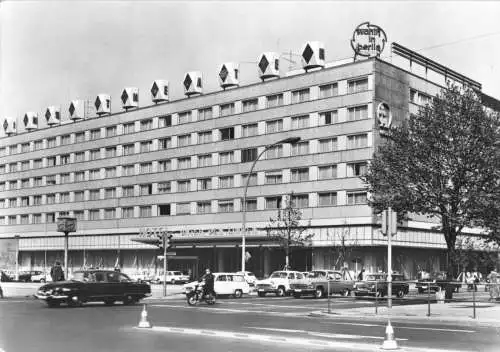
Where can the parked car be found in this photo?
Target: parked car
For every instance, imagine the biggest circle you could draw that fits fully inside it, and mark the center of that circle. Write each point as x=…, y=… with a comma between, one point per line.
x=225, y=284
x=40, y=276
x=91, y=286
x=26, y=276
x=5, y=277
x=173, y=277
x=279, y=283
x=376, y=284
x=323, y=282
x=437, y=281
x=249, y=277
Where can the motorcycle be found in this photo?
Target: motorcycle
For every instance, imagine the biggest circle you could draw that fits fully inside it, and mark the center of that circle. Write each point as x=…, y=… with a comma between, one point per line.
x=196, y=296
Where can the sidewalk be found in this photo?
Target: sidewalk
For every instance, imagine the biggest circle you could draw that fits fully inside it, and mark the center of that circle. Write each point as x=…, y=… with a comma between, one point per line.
x=448, y=313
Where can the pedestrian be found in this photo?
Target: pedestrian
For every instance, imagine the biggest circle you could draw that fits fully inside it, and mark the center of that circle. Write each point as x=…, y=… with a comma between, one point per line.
x=56, y=273
x=361, y=274
x=1, y=292
x=494, y=289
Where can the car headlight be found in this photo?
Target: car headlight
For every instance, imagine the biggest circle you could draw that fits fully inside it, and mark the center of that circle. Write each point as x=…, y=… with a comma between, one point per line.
x=65, y=289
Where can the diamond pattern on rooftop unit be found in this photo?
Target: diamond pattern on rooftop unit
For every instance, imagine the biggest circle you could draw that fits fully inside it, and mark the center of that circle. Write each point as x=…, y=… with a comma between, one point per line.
x=308, y=53
x=124, y=96
x=97, y=103
x=263, y=64
x=25, y=120
x=5, y=125
x=223, y=73
x=187, y=82
x=71, y=109
x=47, y=115
x=154, y=89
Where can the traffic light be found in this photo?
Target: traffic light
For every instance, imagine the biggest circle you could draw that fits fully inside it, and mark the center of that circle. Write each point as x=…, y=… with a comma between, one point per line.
x=166, y=243
x=389, y=222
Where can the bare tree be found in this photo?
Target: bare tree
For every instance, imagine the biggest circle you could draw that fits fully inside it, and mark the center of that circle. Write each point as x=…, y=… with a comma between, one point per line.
x=342, y=248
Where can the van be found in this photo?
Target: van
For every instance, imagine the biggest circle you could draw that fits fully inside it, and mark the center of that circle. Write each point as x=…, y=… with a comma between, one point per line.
x=225, y=284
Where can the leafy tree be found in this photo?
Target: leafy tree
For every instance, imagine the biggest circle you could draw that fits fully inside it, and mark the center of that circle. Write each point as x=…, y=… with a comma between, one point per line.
x=443, y=163
x=285, y=228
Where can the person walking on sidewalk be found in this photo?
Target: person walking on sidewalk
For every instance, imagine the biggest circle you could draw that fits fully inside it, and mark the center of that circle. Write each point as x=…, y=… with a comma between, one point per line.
x=494, y=285
x=56, y=273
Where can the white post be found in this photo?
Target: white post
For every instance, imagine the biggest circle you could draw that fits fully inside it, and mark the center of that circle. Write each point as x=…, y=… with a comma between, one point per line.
x=390, y=215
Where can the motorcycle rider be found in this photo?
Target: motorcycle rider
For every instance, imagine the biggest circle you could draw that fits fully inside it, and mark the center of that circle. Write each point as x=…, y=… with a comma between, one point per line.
x=208, y=277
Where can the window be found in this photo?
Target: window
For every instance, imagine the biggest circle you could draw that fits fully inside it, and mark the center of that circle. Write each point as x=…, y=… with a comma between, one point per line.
x=301, y=148
x=110, y=193
x=128, y=128
x=146, y=168
x=357, y=113
x=204, y=160
x=146, y=189
x=251, y=182
x=275, y=152
x=274, y=126
x=300, y=96
x=226, y=206
x=64, y=197
x=128, y=170
x=226, y=158
x=328, y=117
x=328, y=145
x=79, y=157
x=300, y=175
x=95, y=154
x=183, y=186
x=164, y=165
x=274, y=100
x=94, y=194
x=146, y=124
x=25, y=165
x=25, y=201
x=358, y=85
x=357, y=141
x=94, y=214
x=79, y=137
x=165, y=143
x=37, y=218
x=79, y=215
x=51, y=161
x=51, y=142
x=2, y=169
x=94, y=174
x=145, y=211
x=205, y=137
x=65, y=159
x=356, y=198
x=227, y=109
x=111, y=131
x=128, y=149
x=328, y=90
x=226, y=181
x=51, y=180
x=205, y=114
x=37, y=200
x=24, y=219
x=37, y=182
x=183, y=208
x=38, y=145
x=203, y=207
x=127, y=191
x=110, y=172
x=79, y=176
x=326, y=172
x=109, y=213
x=95, y=134
x=51, y=199
x=204, y=184
x=146, y=146
x=274, y=177
x=184, y=163
x=2, y=205
x=13, y=166
x=273, y=202
x=184, y=117
x=250, y=105
x=413, y=96
x=66, y=139
x=251, y=204
x=300, y=200
x=25, y=148
x=226, y=134
x=184, y=140
x=79, y=196
x=164, y=187
x=25, y=183
x=128, y=212
x=165, y=121
x=110, y=152
x=300, y=122
x=163, y=209
x=65, y=178
x=50, y=218
x=2, y=186
x=12, y=202
x=357, y=169
x=37, y=163
x=12, y=220
x=250, y=130
x=248, y=155
x=424, y=99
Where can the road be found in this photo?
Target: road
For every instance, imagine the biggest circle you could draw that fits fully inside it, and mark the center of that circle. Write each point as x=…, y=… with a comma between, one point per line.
x=247, y=324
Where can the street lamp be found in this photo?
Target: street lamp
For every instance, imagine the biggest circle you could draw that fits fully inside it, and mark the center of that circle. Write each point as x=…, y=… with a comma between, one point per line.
x=17, y=237
x=290, y=140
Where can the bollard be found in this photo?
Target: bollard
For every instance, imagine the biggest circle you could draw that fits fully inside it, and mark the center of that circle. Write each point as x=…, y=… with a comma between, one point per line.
x=376, y=298
x=144, y=323
x=474, y=301
x=328, y=294
x=428, y=299
x=389, y=342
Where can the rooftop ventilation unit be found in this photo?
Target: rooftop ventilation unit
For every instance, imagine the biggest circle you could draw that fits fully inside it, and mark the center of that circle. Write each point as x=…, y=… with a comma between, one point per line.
x=192, y=83
x=103, y=104
x=77, y=110
x=228, y=75
x=9, y=126
x=313, y=55
x=30, y=121
x=53, y=115
x=159, y=91
x=269, y=65
x=130, y=98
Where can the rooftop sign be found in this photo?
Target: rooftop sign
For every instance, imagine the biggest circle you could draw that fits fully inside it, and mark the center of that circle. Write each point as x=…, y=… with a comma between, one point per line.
x=368, y=40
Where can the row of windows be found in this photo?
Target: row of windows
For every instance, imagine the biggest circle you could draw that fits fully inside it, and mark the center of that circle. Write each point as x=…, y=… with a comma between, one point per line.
x=275, y=100
x=202, y=207
x=202, y=184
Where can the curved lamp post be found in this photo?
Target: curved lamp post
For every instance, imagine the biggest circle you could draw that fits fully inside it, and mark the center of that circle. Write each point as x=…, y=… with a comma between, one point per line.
x=290, y=140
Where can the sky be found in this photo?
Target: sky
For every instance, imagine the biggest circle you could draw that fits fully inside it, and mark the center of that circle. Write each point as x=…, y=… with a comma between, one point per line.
x=52, y=52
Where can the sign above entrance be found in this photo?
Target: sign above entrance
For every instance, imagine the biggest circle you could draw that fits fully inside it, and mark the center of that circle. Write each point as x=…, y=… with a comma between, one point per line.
x=368, y=40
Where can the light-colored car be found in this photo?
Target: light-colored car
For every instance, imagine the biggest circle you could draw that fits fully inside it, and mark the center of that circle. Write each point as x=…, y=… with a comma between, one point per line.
x=279, y=283
x=41, y=277
x=225, y=284
x=173, y=277
x=249, y=277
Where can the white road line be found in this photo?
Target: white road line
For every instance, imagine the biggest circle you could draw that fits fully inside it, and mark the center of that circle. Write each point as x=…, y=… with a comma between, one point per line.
x=221, y=310
x=405, y=327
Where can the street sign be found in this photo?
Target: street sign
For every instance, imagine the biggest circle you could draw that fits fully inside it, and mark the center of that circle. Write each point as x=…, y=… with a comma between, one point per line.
x=389, y=222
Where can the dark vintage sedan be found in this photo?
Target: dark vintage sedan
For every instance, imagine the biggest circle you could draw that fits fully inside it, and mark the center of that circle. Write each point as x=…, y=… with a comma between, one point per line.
x=94, y=286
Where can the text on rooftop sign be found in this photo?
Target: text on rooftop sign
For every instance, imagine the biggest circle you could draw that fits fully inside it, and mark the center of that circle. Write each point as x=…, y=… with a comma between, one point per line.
x=368, y=40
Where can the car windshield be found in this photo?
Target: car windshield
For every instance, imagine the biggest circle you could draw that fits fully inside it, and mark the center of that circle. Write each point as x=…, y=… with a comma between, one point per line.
x=176, y=273
x=278, y=275
x=376, y=277
x=316, y=274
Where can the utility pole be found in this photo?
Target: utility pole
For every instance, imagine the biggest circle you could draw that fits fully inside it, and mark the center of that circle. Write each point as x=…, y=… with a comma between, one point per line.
x=389, y=229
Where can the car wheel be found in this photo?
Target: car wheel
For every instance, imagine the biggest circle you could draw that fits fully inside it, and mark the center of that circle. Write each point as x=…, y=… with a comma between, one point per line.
x=318, y=293
x=109, y=302
x=400, y=294
x=128, y=300
x=238, y=294
x=53, y=303
x=346, y=292
x=172, y=282
x=281, y=292
x=297, y=295
x=74, y=301
x=42, y=281
x=262, y=294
